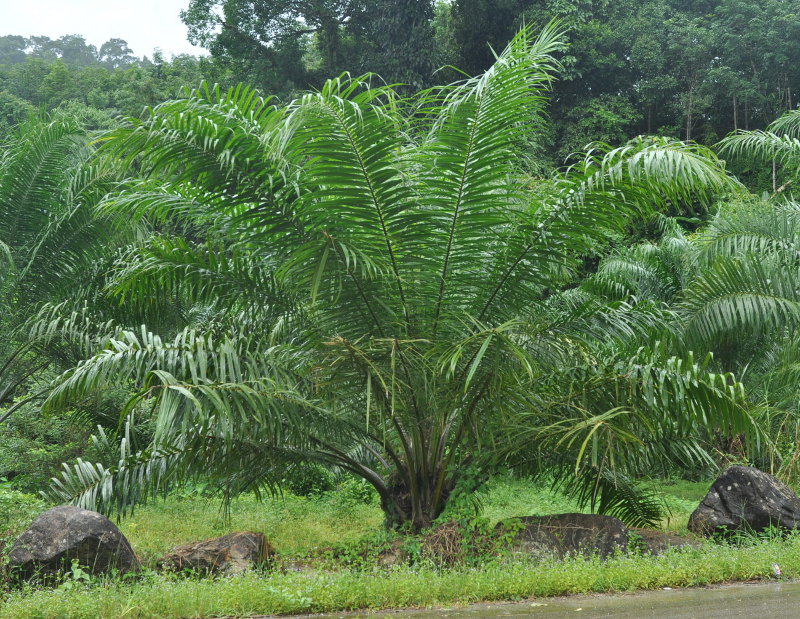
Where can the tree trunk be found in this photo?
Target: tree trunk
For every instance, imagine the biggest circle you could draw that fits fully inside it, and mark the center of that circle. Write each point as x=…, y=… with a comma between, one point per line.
x=746, y=115
x=330, y=40
x=415, y=508
x=689, y=121
x=735, y=115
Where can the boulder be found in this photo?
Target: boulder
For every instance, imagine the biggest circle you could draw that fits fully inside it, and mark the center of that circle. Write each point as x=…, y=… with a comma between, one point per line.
x=657, y=542
x=64, y=534
x=746, y=499
x=228, y=554
x=564, y=534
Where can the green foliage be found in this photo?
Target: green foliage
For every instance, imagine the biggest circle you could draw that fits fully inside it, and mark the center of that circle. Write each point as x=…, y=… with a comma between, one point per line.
x=606, y=119
x=308, y=479
x=688, y=70
x=55, y=247
x=363, y=280
x=111, y=81
x=32, y=447
x=17, y=511
x=393, y=324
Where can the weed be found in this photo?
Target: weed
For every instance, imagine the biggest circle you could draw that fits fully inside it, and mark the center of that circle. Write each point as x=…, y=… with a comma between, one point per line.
x=334, y=554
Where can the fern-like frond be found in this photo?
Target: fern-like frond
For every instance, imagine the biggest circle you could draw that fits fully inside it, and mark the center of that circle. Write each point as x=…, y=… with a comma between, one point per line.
x=742, y=295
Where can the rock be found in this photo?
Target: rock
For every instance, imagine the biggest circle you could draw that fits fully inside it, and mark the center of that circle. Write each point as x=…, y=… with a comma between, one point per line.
x=657, y=542
x=63, y=534
x=746, y=499
x=229, y=554
x=564, y=534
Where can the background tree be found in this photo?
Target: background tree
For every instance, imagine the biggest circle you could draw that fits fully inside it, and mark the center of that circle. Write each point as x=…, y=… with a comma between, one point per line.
x=401, y=36
x=479, y=26
x=12, y=49
x=267, y=40
x=115, y=54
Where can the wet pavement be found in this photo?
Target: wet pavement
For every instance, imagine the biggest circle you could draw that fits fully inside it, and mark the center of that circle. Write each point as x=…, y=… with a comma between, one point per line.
x=774, y=600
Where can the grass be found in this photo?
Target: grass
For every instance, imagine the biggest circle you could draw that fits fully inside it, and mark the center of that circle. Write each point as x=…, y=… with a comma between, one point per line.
x=299, y=526
x=253, y=594
x=294, y=525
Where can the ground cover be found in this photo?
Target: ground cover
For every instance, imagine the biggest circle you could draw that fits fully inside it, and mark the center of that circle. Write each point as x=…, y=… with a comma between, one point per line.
x=314, y=573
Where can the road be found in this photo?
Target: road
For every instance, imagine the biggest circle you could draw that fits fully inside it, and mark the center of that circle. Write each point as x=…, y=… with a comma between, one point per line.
x=774, y=600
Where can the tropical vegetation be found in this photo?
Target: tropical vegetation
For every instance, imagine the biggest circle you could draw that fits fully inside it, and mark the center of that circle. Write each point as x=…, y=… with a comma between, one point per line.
x=380, y=295
x=399, y=291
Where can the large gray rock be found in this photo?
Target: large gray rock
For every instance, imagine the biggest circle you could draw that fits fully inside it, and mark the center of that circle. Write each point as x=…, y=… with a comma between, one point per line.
x=63, y=534
x=565, y=534
x=231, y=553
x=746, y=499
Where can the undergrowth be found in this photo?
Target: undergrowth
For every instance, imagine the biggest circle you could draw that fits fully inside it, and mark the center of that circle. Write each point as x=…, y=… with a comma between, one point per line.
x=334, y=554
x=159, y=595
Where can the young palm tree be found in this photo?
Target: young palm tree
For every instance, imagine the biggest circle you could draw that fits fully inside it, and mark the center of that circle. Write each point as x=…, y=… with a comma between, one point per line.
x=780, y=142
x=52, y=242
x=747, y=286
x=385, y=297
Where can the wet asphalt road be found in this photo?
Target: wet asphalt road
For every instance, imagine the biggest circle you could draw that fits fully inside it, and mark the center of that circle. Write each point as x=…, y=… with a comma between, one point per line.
x=757, y=601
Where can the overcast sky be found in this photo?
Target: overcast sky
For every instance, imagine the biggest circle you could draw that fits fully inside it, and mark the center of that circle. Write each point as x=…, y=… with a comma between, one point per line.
x=144, y=24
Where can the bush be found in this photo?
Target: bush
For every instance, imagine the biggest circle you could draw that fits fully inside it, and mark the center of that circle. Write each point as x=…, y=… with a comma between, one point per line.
x=32, y=447
x=356, y=491
x=307, y=479
x=17, y=511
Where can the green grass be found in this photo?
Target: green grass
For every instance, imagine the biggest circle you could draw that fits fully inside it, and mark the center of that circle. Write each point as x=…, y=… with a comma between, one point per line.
x=299, y=526
x=283, y=593
x=508, y=497
x=294, y=525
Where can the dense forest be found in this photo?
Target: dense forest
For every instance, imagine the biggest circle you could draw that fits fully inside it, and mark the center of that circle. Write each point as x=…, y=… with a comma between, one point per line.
x=688, y=69
x=418, y=244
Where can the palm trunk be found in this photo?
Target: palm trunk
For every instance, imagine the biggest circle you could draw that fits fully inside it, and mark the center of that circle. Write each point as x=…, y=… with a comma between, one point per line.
x=417, y=507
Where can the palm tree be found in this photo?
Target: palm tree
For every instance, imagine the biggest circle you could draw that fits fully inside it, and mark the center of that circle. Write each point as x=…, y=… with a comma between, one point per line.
x=383, y=295
x=780, y=141
x=53, y=244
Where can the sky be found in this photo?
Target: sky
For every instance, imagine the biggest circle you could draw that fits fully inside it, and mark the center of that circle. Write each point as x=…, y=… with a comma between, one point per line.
x=144, y=24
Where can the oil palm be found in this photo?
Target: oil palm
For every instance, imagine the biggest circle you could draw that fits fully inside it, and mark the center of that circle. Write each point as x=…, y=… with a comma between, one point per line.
x=779, y=142
x=748, y=283
x=53, y=241
x=385, y=297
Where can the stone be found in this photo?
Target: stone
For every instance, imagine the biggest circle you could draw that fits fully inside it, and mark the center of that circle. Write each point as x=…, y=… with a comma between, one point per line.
x=657, y=542
x=228, y=554
x=746, y=499
x=566, y=534
x=64, y=534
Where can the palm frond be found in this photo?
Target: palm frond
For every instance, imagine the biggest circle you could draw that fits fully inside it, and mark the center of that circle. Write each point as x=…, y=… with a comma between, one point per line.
x=741, y=295
x=780, y=141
